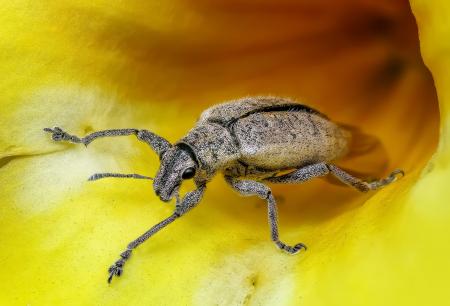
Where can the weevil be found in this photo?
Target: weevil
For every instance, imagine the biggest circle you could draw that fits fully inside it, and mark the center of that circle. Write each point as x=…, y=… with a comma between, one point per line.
x=251, y=141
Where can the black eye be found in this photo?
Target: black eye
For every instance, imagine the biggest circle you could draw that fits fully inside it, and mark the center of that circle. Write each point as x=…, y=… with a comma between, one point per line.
x=188, y=173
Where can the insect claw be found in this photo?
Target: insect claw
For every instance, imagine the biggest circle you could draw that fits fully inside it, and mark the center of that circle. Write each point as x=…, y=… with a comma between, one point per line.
x=115, y=269
x=396, y=174
x=300, y=246
x=110, y=277
x=399, y=171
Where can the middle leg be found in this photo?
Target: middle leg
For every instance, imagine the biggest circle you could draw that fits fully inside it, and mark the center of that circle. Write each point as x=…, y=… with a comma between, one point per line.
x=249, y=188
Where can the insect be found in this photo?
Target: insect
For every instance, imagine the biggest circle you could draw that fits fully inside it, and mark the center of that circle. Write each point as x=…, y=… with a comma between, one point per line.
x=251, y=141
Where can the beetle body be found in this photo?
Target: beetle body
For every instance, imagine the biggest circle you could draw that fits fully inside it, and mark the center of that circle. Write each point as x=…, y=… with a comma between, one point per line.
x=251, y=141
x=258, y=137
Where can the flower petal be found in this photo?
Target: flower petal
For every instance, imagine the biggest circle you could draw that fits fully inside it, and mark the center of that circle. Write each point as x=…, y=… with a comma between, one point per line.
x=91, y=65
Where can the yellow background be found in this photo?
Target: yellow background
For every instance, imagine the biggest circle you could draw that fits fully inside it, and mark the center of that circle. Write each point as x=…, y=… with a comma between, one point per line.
x=91, y=65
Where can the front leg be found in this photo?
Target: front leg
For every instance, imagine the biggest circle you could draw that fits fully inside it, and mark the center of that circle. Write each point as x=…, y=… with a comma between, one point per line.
x=190, y=200
x=249, y=188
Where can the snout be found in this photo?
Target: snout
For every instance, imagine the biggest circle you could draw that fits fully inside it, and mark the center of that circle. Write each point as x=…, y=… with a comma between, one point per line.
x=165, y=198
x=166, y=194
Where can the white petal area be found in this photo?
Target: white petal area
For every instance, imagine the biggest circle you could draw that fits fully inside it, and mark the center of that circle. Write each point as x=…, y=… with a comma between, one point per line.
x=42, y=182
x=252, y=277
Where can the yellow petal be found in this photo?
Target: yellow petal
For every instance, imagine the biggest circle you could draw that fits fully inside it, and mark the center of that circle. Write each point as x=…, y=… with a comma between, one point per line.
x=91, y=65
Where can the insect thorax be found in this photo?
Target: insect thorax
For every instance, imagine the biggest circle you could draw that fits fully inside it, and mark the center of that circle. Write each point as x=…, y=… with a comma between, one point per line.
x=213, y=146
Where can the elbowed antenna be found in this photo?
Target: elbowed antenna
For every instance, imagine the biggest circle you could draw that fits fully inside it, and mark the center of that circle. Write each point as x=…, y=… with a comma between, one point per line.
x=157, y=143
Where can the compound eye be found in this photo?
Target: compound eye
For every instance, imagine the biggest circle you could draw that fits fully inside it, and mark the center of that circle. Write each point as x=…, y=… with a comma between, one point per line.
x=188, y=173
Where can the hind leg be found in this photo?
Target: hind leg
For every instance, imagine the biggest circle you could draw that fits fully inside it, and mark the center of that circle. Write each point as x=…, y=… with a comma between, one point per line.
x=301, y=175
x=361, y=185
x=321, y=169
